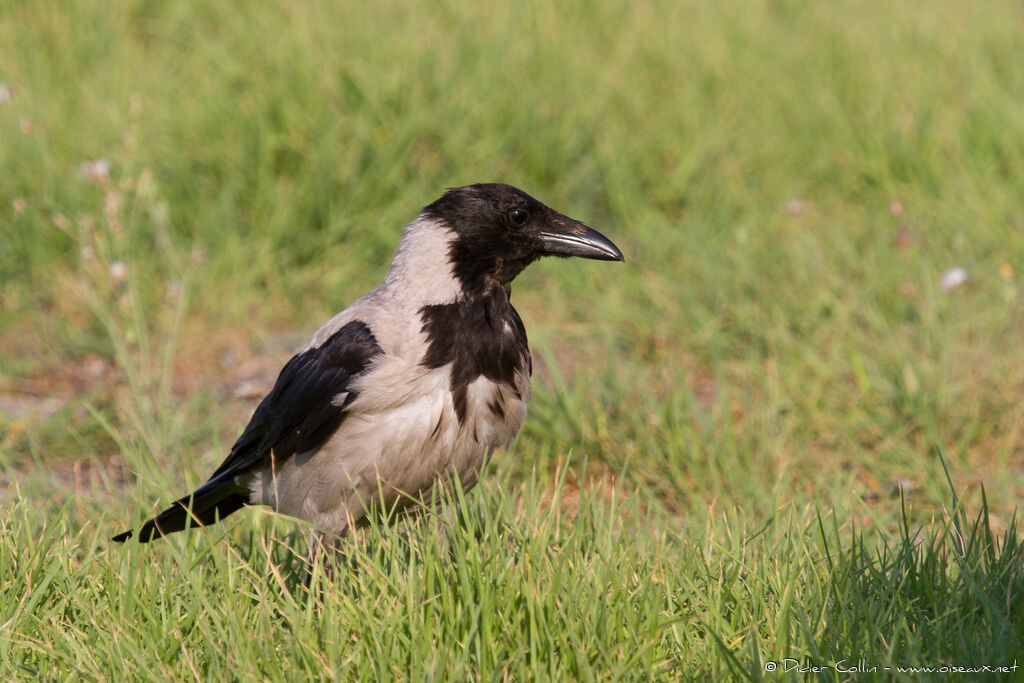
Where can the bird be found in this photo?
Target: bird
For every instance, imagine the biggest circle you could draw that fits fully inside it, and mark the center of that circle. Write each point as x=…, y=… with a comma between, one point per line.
x=412, y=386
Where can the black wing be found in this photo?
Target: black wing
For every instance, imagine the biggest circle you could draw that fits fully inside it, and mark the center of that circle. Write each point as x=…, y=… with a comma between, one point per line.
x=299, y=414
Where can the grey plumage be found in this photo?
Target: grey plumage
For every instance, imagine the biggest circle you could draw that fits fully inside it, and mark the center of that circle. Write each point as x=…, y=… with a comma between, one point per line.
x=416, y=382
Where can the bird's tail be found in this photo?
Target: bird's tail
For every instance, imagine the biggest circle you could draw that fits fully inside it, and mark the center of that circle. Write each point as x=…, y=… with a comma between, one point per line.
x=216, y=499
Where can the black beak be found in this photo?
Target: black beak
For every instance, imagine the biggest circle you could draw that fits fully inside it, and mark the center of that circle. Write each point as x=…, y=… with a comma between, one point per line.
x=572, y=238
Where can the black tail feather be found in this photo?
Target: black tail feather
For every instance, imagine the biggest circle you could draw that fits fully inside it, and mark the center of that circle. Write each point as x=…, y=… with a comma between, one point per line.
x=212, y=501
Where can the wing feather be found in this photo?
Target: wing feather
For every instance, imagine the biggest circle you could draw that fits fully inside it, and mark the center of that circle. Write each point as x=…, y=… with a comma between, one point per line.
x=300, y=413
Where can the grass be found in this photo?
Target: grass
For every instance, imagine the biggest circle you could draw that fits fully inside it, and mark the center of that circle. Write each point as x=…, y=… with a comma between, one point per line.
x=738, y=446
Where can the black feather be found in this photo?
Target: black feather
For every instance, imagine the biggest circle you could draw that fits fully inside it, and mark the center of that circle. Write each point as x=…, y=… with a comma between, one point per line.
x=298, y=415
x=480, y=337
x=214, y=500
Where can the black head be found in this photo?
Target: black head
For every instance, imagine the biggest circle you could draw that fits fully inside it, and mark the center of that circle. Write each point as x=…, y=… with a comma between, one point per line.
x=500, y=230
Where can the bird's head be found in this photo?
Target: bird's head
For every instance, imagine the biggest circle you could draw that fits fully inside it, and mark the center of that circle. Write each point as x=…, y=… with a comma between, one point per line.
x=494, y=231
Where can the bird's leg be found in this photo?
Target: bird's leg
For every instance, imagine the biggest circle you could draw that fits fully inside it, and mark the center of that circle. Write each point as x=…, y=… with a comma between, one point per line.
x=311, y=555
x=319, y=547
x=446, y=523
x=325, y=548
x=443, y=513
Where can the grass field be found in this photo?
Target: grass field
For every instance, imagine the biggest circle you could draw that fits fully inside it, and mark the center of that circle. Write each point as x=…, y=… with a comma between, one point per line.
x=737, y=451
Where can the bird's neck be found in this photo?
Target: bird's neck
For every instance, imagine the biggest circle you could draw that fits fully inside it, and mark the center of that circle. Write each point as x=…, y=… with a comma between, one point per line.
x=421, y=272
x=428, y=270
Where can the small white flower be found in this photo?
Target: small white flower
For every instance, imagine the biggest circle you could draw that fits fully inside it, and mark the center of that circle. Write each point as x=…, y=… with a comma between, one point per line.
x=952, y=278
x=6, y=93
x=96, y=367
x=118, y=271
x=97, y=171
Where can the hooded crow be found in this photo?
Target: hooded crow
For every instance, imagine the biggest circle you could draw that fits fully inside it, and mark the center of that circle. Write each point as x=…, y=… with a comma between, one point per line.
x=412, y=385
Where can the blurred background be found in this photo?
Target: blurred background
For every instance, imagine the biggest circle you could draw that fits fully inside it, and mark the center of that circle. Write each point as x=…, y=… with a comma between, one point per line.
x=820, y=205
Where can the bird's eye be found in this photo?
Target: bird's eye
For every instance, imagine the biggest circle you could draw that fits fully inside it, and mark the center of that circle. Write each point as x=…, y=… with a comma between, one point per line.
x=518, y=216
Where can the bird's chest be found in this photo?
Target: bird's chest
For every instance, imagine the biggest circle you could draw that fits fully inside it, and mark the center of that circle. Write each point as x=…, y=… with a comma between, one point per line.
x=463, y=429
x=480, y=348
x=480, y=339
x=487, y=413
x=434, y=432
